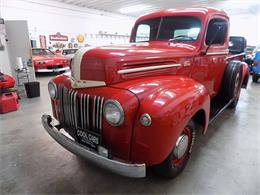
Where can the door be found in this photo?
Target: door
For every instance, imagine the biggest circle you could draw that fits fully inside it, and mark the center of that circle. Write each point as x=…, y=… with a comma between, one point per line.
x=209, y=67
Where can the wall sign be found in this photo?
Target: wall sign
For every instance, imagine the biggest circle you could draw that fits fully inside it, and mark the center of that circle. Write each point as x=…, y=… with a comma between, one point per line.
x=58, y=37
x=81, y=38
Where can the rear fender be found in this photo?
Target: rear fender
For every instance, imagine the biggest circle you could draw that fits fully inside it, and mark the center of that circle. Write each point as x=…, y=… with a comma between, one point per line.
x=171, y=107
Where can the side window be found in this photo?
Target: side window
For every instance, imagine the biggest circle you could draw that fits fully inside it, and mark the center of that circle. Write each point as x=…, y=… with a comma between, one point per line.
x=217, y=32
x=143, y=33
x=147, y=30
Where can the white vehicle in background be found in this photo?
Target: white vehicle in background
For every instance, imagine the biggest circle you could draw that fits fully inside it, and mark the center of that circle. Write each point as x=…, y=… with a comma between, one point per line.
x=69, y=53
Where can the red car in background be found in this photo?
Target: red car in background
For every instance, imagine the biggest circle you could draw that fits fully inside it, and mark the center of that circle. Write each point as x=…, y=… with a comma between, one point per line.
x=45, y=60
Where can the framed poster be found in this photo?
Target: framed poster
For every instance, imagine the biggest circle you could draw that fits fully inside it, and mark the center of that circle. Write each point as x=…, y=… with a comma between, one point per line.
x=43, y=43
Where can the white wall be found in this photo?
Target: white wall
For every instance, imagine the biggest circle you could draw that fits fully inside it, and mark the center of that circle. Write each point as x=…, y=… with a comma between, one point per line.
x=18, y=45
x=246, y=25
x=4, y=57
x=244, y=18
x=47, y=17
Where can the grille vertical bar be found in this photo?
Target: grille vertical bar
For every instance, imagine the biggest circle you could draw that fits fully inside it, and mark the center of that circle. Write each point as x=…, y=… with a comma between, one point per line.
x=85, y=107
x=81, y=110
x=75, y=109
x=97, y=113
x=61, y=110
x=65, y=103
x=101, y=113
x=88, y=112
x=68, y=107
x=94, y=114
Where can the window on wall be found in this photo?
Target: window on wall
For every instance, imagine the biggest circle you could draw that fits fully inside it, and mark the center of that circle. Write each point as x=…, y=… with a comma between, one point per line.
x=217, y=32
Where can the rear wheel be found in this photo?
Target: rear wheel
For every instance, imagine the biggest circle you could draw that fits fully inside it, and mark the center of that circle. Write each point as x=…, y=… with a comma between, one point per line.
x=178, y=158
x=236, y=92
x=232, y=82
x=255, y=78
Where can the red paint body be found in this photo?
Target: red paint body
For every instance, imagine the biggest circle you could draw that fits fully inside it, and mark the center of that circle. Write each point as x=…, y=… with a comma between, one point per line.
x=171, y=96
x=8, y=102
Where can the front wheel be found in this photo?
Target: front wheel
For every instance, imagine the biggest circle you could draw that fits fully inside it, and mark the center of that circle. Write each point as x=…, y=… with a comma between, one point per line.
x=178, y=158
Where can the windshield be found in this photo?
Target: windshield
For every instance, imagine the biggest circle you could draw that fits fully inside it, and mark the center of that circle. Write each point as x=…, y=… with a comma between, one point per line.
x=170, y=28
x=41, y=52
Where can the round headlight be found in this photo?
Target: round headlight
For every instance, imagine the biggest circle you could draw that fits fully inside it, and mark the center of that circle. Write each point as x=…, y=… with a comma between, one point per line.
x=52, y=90
x=113, y=112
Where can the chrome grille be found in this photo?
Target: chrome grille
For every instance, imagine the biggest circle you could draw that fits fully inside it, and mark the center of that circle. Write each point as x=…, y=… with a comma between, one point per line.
x=77, y=110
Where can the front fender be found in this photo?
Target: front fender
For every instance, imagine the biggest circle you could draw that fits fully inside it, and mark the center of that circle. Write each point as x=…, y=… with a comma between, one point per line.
x=171, y=102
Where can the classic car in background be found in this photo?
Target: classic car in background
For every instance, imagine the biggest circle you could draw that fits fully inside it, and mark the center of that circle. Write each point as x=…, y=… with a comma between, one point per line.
x=249, y=57
x=236, y=44
x=45, y=60
x=69, y=53
x=139, y=105
x=256, y=66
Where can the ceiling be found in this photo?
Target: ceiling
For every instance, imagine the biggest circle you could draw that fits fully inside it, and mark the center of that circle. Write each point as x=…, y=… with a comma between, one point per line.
x=139, y=7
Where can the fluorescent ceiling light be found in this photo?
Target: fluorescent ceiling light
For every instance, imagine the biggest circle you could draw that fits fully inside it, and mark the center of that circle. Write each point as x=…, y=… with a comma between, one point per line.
x=134, y=8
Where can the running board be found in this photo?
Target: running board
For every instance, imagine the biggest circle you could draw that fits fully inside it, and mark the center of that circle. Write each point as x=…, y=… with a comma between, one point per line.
x=216, y=115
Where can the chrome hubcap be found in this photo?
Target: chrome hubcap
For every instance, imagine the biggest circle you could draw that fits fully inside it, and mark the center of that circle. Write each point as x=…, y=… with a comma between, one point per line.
x=181, y=146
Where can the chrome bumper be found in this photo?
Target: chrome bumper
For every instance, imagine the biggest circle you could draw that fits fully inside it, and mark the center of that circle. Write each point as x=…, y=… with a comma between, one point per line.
x=52, y=70
x=129, y=170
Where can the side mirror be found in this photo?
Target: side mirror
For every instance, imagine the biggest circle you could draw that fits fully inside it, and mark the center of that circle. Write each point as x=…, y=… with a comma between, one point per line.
x=237, y=44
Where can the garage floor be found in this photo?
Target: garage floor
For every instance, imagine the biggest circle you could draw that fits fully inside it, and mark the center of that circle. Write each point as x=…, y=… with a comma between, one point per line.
x=225, y=161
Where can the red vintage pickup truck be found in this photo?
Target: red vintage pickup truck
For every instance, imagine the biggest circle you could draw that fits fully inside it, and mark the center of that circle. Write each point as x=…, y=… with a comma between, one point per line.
x=129, y=107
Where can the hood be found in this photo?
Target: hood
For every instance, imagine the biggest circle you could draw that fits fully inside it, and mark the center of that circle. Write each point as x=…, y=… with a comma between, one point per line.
x=113, y=64
x=151, y=87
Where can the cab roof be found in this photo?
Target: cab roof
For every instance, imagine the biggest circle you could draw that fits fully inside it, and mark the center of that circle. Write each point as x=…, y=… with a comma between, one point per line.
x=201, y=12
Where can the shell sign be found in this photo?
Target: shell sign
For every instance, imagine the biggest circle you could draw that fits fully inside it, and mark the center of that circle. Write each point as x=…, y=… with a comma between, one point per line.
x=81, y=38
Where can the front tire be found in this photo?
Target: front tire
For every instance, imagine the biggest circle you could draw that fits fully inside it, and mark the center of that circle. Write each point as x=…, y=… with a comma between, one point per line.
x=174, y=164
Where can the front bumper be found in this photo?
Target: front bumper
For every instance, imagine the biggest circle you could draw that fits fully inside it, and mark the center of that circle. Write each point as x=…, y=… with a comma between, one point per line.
x=129, y=170
x=52, y=70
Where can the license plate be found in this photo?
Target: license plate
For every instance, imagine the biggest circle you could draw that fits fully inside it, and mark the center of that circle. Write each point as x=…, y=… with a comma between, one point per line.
x=56, y=69
x=88, y=138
